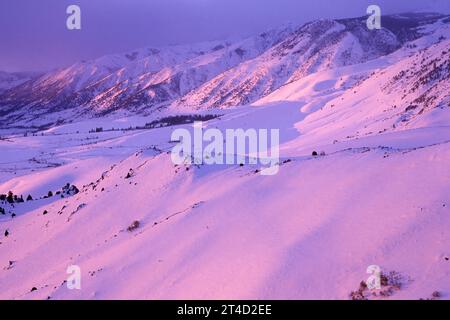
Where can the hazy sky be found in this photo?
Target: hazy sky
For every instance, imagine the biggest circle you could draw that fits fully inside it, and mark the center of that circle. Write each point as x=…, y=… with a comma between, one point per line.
x=33, y=33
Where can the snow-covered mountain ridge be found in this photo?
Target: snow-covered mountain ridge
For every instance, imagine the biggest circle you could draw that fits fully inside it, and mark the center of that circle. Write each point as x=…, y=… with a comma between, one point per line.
x=208, y=75
x=363, y=172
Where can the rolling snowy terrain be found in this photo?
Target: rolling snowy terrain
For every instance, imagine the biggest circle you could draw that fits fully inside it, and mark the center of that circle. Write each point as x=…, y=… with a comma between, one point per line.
x=373, y=105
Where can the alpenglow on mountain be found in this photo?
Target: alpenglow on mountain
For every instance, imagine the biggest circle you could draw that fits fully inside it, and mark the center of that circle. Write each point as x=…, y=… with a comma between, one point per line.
x=209, y=75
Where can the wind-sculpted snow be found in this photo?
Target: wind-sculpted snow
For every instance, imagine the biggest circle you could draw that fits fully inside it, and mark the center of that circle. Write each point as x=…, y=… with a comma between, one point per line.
x=138, y=81
x=207, y=75
x=199, y=231
x=362, y=179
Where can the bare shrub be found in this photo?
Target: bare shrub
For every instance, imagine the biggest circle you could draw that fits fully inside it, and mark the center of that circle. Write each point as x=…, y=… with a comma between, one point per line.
x=133, y=226
x=390, y=282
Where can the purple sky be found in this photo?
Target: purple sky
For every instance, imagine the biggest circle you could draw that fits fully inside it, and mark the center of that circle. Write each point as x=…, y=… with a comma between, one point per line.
x=33, y=34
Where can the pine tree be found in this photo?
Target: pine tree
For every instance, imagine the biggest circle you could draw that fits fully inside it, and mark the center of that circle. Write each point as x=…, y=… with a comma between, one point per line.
x=10, y=197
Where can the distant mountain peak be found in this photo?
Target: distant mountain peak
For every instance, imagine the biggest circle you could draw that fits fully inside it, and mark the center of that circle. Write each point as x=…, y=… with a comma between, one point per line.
x=214, y=74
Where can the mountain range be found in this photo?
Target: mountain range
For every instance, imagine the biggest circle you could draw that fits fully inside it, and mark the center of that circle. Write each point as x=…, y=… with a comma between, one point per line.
x=209, y=75
x=87, y=179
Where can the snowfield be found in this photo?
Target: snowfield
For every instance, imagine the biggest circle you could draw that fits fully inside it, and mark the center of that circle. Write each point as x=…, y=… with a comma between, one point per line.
x=377, y=193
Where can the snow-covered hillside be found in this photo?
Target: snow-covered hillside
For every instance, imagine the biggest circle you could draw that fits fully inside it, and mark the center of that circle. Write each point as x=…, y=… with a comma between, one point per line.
x=363, y=178
x=225, y=232
x=141, y=80
x=206, y=75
